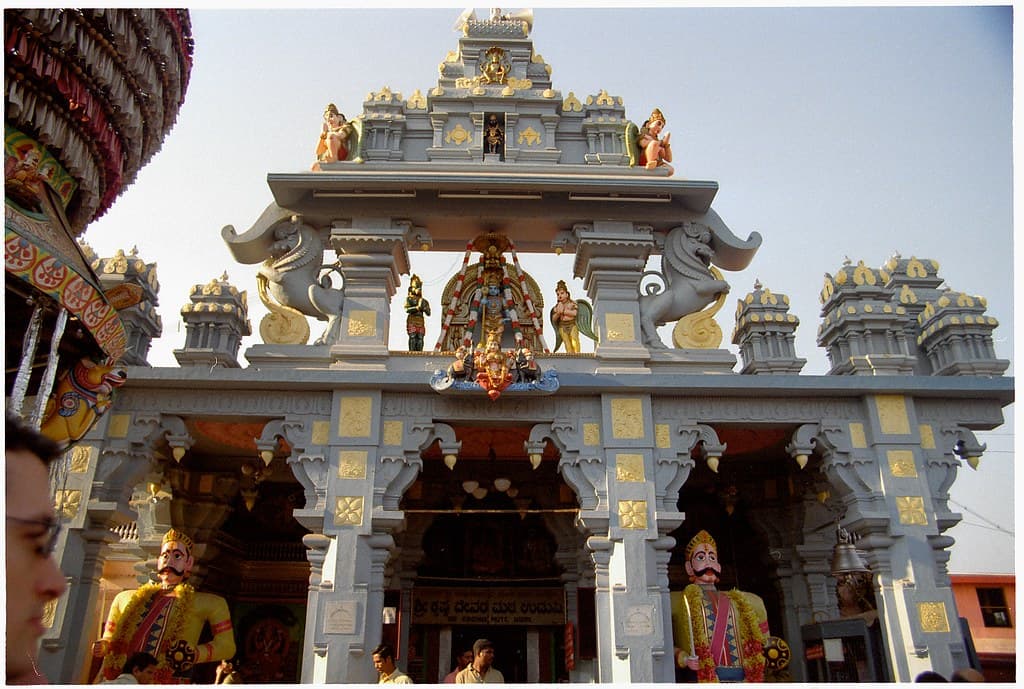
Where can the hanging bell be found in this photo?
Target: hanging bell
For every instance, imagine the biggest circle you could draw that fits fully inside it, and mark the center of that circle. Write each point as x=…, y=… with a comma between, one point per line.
x=845, y=558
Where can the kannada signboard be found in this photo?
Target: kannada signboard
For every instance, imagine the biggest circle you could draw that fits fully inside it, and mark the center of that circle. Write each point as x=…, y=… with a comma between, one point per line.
x=529, y=607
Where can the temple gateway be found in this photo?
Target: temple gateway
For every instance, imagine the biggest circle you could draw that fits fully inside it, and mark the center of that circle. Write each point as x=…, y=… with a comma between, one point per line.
x=500, y=483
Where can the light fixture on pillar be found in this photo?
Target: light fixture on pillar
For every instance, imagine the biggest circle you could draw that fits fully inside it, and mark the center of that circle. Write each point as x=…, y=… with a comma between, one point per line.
x=846, y=561
x=266, y=449
x=502, y=484
x=535, y=451
x=450, y=451
x=470, y=486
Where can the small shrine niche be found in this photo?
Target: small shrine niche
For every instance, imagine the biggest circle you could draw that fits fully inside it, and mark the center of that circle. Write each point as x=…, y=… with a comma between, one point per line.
x=493, y=294
x=494, y=136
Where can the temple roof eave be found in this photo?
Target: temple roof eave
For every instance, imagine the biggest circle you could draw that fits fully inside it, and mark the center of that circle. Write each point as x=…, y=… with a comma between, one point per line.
x=492, y=198
x=996, y=389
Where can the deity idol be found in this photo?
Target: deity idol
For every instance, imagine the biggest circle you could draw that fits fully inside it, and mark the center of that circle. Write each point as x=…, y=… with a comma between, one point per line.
x=165, y=619
x=720, y=635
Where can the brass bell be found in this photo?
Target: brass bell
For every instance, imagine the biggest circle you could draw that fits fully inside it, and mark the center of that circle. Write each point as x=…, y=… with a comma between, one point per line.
x=845, y=558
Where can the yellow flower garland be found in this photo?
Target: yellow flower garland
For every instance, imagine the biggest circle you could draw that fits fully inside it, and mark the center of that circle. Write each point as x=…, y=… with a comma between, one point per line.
x=132, y=616
x=750, y=635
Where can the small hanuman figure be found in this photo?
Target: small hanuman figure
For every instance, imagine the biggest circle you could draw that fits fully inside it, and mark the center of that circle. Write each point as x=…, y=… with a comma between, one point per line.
x=417, y=307
x=655, y=152
x=333, y=143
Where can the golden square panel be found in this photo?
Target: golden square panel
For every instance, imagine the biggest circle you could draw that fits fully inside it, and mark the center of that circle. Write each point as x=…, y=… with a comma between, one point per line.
x=629, y=467
x=321, y=434
x=633, y=514
x=591, y=434
x=662, y=436
x=67, y=502
x=927, y=437
x=620, y=327
x=892, y=414
x=857, y=437
x=348, y=510
x=354, y=419
x=393, y=433
x=118, y=426
x=80, y=456
x=352, y=464
x=362, y=323
x=627, y=418
x=901, y=463
x=911, y=510
x=932, y=616
x=49, y=613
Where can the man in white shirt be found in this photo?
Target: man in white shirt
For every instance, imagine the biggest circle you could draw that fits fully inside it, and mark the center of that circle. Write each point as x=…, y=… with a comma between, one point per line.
x=480, y=670
x=384, y=663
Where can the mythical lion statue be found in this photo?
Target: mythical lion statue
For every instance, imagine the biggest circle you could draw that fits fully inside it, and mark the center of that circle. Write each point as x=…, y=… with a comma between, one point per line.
x=293, y=276
x=689, y=284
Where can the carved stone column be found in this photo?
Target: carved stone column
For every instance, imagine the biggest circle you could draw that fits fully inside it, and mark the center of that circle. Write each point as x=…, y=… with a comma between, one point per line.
x=610, y=257
x=372, y=255
x=66, y=646
x=885, y=480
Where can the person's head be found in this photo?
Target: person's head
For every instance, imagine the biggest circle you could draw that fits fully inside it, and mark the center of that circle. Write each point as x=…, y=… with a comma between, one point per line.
x=175, y=561
x=930, y=676
x=562, y=291
x=332, y=114
x=384, y=659
x=483, y=654
x=702, y=559
x=33, y=578
x=967, y=674
x=656, y=122
x=142, y=666
x=464, y=659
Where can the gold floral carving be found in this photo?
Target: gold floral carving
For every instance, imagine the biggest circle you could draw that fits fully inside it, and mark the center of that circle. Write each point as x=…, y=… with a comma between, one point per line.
x=67, y=502
x=458, y=135
x=916, y=269
x=862, y=275
x=118, y=426
x=927, y=437
x=591, y=434
x=529, y=136
x=118, y=265
x=520, y=84
x=662, y=435
x=284, y=326
x=901, y=463
x=629, y=468
x=352, y=464
x=50, y=613
x=80, y=455
x=392, y=432
x=627, y=418
x=354, y=419
x=907, y=295
x=932, y=615
x=620, y=327
x=572, y=103
x=911, y=510
x=892, y=414
x=633, y=514
x=362, y=323
x=321, y=432
x=700, y=330
x=857, y=437
x=348, y=510
x=416, y=101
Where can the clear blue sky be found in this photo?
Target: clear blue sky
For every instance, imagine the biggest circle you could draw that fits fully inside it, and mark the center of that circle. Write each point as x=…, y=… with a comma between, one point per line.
x=834, y=132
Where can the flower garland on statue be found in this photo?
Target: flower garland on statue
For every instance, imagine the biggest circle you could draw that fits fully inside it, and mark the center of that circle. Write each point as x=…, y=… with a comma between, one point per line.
x=131, y=618
x=750, y=633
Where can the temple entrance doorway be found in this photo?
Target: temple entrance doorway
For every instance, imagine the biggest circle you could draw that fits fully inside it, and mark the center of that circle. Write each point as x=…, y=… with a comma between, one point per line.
x=489, y=541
